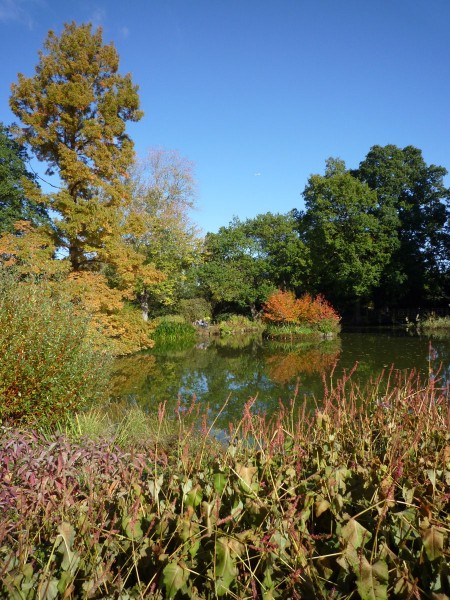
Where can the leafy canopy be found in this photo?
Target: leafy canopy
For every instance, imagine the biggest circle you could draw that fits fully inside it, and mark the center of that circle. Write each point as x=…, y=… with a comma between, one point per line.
x=14, y=181
x=349, y=240
x=413, y=196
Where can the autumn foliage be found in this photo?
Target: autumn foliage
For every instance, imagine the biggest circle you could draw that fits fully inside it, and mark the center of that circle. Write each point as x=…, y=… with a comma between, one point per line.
x=284, y=308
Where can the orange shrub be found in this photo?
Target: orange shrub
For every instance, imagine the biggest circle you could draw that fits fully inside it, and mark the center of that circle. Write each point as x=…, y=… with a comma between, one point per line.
x=284, y=307
x=281, y=307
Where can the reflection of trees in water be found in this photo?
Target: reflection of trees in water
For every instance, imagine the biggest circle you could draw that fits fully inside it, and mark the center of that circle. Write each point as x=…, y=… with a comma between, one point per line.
x=130, y=374
x=304, y=360
x=267, y=370
x=439, y=357
x=238, y=372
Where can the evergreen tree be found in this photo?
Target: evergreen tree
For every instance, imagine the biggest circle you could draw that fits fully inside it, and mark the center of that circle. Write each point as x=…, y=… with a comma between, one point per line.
x=14, y=176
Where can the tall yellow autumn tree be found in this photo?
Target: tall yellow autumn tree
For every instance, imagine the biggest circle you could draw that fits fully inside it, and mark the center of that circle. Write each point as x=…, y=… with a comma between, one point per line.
x=74, y=112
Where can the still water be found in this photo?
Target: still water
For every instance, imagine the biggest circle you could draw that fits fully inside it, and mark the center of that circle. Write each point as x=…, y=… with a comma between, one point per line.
x=215, y=370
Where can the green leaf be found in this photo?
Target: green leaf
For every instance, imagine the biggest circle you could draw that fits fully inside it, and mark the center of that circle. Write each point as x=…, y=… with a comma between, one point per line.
x=220, y=481
x=247, y=478
x=372, y=580
x=190, y=532
x=132, y=527
x=433, y=541
x=194, y=497
x=174, y=577
x=226, y=570
x=49, y=590
x=355, y=534
x=70, y=559
x=320, y=506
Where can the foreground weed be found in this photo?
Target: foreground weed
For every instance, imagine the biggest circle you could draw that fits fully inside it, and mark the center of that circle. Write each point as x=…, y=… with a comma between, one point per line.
x=351, y=501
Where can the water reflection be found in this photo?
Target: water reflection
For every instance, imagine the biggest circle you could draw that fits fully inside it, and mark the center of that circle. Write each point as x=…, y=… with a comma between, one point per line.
x=243, y=368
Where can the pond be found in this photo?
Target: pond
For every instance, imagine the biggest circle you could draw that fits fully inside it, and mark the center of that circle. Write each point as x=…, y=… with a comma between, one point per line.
x=215, y=369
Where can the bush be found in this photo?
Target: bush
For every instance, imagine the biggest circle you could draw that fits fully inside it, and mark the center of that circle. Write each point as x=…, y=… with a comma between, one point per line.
x=285, y=309
x=238, y=324
x=434, y=322
x=194, y=309
x=48, y=365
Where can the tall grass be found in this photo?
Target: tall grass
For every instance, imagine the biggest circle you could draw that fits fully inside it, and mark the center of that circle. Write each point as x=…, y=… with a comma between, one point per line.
x=173, y=329
x=433, y=322
x=48, y=365
x=350, y=501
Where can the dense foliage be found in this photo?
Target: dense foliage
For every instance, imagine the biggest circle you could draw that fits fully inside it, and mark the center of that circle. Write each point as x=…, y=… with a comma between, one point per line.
x=284, y=308
x=49, y=366
x=248, y=260
x=14, y=176
x=379, y=234
x=413, y=197
x=351, y=501
x=349, y=243
x=74, y=112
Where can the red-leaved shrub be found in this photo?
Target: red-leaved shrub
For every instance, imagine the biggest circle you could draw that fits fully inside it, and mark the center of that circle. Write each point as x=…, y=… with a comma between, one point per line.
x=284, y=307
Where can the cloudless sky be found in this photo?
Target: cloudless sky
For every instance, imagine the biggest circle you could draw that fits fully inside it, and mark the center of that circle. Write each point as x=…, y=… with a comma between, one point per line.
x=259, y=93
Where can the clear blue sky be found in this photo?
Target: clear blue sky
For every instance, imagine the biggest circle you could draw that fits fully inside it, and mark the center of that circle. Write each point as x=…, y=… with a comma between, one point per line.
x=258, y=93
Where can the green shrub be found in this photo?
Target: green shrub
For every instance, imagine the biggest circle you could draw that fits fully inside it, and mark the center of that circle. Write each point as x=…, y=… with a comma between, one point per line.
x=194, y=309
x=48, y=365
x=435, y=322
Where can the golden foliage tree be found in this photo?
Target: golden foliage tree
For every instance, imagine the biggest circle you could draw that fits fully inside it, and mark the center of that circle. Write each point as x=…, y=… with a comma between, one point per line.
x=74, y=112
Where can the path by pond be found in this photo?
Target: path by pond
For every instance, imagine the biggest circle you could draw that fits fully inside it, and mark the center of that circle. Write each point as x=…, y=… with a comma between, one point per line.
x=274, y=372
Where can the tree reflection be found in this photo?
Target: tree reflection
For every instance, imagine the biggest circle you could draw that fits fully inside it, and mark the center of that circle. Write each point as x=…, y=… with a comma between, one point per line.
x=303, y=359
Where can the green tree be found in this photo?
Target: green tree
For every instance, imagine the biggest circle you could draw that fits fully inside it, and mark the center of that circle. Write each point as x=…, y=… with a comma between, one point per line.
x=279, y=245
x=164, y=194
x=248, y=260
x=14, y=177
x=349, y=240
x=415, y=196
x=74, y=111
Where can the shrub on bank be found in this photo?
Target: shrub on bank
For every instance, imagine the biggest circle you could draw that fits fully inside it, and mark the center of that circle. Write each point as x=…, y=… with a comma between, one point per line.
x=433, y=322
x=194, y=309
x=48, y=365
x=285, y=313
x=351, y=501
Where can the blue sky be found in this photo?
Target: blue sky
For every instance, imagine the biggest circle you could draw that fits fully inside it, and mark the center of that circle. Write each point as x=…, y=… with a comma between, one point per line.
x=259, y=93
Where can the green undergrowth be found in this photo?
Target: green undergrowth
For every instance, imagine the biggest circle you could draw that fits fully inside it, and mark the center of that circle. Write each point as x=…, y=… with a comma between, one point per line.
x=239, y=325
x=173, y=329
x=291, y=331
x=350, y=501
x=434, y=322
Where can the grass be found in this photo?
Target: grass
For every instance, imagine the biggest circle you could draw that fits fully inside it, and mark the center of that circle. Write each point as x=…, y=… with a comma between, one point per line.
x=325, y=328
x=239, y=325
x=433, y=322
x=173, y=330
x=349, y=501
